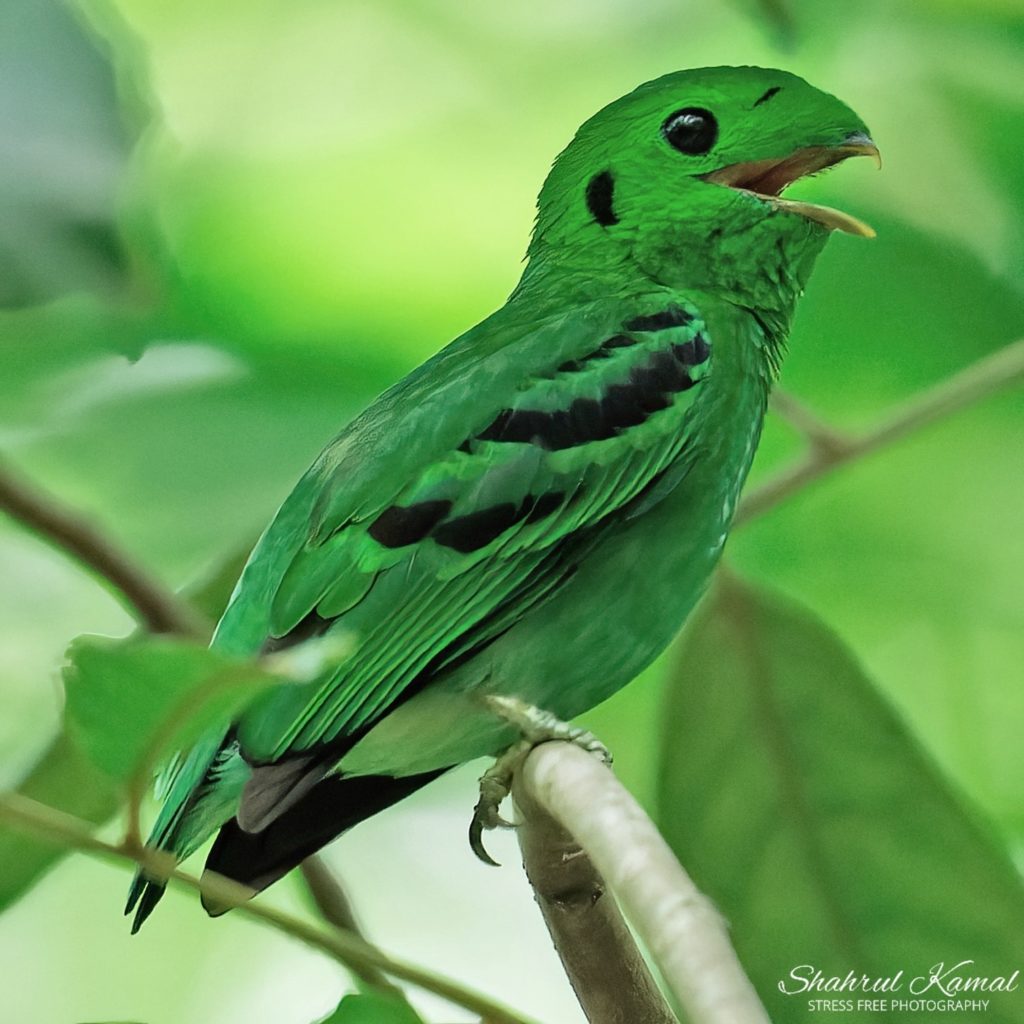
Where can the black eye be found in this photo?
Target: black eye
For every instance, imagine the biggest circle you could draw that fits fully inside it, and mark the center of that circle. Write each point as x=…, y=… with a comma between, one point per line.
x=691, y=130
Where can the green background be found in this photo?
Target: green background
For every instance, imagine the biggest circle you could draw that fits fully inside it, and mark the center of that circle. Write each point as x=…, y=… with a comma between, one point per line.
x=225, y=225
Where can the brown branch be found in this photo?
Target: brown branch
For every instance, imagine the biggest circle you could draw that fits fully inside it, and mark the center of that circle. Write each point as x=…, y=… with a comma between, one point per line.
x=604, y=966
x=155, y=607
x=806, y=422
x=984, y=378
x=678, y=925
x=343, y=947
x=336, y=909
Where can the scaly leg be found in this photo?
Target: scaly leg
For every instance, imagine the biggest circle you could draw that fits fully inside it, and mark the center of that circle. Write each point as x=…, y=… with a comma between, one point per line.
x=536, y=726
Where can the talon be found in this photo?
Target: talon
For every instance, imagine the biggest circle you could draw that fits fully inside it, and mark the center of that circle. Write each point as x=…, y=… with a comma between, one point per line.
x=495, y=785
x=485, y=817
x=476, y=840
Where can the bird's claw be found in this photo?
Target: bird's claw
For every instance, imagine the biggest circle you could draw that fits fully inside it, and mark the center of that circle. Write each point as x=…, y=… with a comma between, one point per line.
x=535, y=726
x=495, y=785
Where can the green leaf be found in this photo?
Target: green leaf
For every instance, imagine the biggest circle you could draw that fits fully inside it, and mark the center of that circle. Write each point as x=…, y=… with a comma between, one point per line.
x=128, y=701
x=809, y=815
x=373, y=1008
x=63, y=778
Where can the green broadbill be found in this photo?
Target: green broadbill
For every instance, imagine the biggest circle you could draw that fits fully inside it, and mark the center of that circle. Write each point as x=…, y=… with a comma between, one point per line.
x=534, y=511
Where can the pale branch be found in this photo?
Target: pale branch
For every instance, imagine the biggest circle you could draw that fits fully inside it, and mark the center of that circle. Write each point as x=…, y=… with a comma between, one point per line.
x=345, y=948
x=600, y=958
x=986, y=377
x=679, y=926
x=156, y=607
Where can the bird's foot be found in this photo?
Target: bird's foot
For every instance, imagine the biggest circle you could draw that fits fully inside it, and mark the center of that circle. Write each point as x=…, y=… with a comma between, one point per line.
x=495, y=785
x=536, y=726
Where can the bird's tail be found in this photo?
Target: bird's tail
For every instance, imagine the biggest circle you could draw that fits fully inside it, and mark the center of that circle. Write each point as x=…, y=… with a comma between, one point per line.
x=202, y=791
x=204, y=794
x=332, y=806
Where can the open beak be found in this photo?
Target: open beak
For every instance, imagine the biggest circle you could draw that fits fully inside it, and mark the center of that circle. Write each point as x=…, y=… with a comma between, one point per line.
x=767, y=179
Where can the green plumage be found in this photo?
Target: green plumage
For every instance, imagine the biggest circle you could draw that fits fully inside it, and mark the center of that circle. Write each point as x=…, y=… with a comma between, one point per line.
x=535, y=510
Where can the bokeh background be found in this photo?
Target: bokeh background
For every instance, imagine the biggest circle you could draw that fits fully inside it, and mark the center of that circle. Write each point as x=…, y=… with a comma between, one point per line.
x=225, y=225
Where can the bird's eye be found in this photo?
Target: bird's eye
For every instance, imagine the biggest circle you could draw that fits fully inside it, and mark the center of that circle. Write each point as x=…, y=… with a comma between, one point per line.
x=691, y=130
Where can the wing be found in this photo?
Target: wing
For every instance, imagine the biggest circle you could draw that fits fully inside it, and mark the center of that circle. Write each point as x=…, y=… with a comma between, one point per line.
x=461, y=500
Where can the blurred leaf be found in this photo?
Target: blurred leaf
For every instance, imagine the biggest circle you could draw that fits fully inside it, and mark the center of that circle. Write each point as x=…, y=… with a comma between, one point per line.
x=373, y=1008
x=64, y=153
x=121, y=695
x=63, y=778
x=809, y=815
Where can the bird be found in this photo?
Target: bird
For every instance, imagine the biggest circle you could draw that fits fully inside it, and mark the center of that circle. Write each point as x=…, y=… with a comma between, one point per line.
x=518, y=527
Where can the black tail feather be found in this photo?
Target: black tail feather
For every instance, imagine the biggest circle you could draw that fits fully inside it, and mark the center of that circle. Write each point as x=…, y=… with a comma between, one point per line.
x=332, y=806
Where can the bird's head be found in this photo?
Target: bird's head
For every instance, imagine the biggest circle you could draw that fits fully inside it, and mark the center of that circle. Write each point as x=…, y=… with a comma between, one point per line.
x=682, y=179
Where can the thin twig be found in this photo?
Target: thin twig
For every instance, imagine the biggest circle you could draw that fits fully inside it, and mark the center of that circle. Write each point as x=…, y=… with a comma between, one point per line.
x=348, y=950
x=156, y=607
x=333, y=903
x=604, y=966
x=679, y=926
x=329, y=897
x=817, y=432
x=982, y=379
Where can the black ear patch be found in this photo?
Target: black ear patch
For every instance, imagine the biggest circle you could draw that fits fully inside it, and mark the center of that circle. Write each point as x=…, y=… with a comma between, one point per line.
x=768, y=95
x=600, y=196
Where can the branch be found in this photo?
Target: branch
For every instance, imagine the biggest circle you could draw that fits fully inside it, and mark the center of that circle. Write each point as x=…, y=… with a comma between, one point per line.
x=335, y=908
x=803, y=420
x=678, y=925
x=984, y=378
x=156, y=608
x=348, y=950
x=604, y=966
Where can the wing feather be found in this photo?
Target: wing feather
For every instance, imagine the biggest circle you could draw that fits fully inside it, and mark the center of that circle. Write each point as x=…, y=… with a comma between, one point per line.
x=555, y=436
